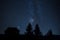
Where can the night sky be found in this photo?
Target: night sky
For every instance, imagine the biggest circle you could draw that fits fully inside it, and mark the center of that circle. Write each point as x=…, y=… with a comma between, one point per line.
x=18, y=13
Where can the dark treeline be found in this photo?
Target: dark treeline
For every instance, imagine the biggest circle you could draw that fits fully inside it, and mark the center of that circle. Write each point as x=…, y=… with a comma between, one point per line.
x=12, y=33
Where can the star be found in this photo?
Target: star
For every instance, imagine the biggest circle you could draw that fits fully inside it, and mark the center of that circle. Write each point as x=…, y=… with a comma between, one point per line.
x=31, y=20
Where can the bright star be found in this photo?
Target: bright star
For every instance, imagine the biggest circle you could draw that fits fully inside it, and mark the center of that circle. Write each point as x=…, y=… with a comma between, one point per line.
x=31, y=20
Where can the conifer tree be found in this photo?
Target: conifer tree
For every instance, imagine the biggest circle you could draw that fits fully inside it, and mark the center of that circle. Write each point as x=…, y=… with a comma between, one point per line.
x=29, y=28
x=37, y=31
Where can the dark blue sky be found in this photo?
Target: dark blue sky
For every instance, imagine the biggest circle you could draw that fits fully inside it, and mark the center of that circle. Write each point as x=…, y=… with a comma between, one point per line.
x=18, y=13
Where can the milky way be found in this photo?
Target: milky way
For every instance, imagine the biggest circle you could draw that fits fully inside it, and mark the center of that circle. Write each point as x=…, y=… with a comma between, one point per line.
x=18, y=13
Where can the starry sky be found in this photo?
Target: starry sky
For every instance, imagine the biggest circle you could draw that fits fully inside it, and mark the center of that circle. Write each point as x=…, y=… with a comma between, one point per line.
x=18, y=13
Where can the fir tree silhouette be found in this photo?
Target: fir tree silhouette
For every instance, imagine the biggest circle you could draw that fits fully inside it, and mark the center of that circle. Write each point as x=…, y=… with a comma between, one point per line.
x=49, y=35
x=29, y=32
x=37, y=32
x=29, y=28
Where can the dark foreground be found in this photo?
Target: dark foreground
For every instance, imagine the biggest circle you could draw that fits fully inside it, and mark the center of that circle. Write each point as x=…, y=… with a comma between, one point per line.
x=13, y=34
